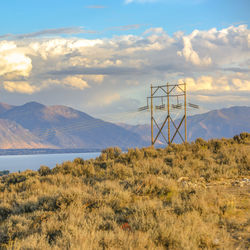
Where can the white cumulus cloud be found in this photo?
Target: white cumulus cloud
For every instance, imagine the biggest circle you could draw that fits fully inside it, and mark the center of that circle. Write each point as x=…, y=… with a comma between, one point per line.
x=75, y=82
x=208, y=60
x=19, y=86
x=192, y=56
x=14, y=60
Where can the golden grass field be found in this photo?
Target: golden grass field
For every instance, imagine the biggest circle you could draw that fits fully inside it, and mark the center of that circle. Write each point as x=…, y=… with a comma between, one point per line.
x=187, y=196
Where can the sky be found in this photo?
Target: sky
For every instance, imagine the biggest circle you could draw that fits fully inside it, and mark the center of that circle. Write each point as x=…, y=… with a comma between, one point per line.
x=101, y=56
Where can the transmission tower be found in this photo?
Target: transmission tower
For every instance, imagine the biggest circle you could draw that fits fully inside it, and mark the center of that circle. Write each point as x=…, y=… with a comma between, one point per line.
x=169, y=97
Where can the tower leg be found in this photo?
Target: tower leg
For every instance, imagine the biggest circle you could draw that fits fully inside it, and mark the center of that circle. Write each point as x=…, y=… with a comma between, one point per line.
x=152, y=118
x=185, y=106
x=169, y=139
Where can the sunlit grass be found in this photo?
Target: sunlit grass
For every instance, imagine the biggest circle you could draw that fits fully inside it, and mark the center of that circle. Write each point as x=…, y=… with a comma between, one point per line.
x=188, y=196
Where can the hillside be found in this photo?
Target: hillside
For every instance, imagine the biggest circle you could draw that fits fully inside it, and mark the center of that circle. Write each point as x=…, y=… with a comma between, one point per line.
x=186, y=196
x=219, y=123
x=5, y=107
x=64, y=127
x=12, y=135
x=214, y=124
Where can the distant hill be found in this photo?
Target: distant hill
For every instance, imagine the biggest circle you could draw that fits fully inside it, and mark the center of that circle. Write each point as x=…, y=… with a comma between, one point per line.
x=144, y=130
x=64, y=127
x=34, y=125
x=13, y=135
x=214, y=124
x=4, y=107
x=219, y=123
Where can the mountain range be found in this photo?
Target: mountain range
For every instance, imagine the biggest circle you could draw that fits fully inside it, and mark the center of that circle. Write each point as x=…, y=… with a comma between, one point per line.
x=225, y=122
x=34, y=125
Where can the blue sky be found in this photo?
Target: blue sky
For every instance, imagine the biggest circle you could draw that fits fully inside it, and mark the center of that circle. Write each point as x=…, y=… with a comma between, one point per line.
x=101, y=56
x=26, y=16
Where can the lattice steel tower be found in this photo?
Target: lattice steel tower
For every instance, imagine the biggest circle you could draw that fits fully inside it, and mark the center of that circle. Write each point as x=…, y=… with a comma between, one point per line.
x=172, y=97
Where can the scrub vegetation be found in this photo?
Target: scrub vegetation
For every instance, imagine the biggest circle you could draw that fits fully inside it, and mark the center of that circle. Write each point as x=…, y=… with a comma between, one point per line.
x=187, y=196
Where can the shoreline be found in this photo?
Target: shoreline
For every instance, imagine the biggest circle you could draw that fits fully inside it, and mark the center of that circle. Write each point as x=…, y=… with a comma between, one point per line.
x=42, y=151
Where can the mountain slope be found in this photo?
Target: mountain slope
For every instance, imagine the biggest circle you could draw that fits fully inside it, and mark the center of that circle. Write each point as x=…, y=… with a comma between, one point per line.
x=65, y=127
x=214, y=124
x=43, y=126
x=12, y=135
x=5, y=107
x=219, y=123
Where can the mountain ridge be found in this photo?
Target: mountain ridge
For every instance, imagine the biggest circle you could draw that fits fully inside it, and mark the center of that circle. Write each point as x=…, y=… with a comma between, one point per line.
x=225, y=122
x=65, y=127
x=4, y=107
x=13, y=135
x=62, y=127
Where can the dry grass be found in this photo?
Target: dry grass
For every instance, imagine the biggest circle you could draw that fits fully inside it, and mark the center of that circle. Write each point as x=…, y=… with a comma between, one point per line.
x=189, y=196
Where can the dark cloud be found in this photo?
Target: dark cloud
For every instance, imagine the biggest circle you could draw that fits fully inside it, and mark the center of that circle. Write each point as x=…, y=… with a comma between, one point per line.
x=212, y=93
x=58, y=31
x=237, y=69
x=97, y=71
x=5, y=36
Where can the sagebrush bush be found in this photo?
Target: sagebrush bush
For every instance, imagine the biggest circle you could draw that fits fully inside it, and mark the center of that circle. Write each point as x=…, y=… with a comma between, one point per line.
x=188, y=196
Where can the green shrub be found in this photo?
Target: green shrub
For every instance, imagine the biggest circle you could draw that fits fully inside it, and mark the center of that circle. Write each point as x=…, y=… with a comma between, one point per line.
x=78, y=161
x=44, y=171
x=110, y=153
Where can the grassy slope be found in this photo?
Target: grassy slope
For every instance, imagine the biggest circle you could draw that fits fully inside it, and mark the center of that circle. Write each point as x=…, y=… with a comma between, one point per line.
x=189, y=196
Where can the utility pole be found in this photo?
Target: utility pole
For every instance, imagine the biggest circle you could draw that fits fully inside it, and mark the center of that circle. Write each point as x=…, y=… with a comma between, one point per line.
x=170, y=93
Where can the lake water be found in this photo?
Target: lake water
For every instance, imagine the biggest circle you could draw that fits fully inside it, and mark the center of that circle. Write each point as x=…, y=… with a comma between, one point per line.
x=14, y=163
